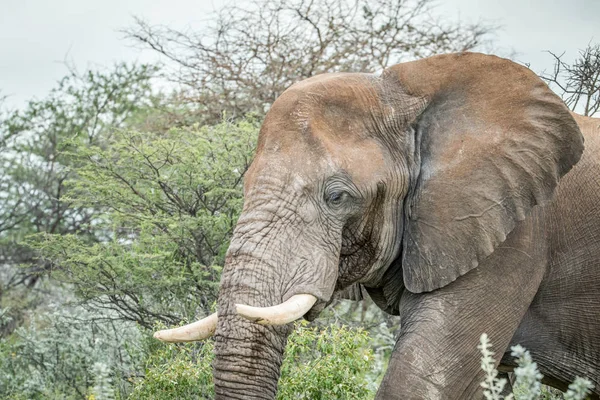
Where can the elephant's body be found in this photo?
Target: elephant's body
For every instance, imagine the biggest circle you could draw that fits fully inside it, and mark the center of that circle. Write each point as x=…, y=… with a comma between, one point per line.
x=560, y=328
x=552, y=304
x=454, y=191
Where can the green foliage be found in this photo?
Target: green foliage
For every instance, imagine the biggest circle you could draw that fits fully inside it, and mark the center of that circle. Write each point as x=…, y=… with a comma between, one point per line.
x=528, y=378
x=382, y=329
x=170, y=203
x=330, y=363
x=103, y=385
x=579, y=389
x=492, y=385
x=68, y=353
x=35, y=166
x=176, y=372
x=84, y=109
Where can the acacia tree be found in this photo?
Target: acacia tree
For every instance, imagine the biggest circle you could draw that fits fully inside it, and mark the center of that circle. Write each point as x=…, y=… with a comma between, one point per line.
x=35, y=166
x=170, y=202
x=9, y=206
x=578, y=83
x=83, y=109
x=252, y=52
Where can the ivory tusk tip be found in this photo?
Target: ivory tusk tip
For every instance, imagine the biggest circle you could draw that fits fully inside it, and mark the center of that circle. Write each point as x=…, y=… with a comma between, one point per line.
x=199, y=330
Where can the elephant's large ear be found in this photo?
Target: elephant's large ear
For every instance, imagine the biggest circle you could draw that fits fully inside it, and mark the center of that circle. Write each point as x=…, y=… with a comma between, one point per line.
x=493, y=141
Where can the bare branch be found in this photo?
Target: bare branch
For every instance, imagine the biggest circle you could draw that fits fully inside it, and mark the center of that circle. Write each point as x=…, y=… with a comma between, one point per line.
x=578, y=83
x=251, y=53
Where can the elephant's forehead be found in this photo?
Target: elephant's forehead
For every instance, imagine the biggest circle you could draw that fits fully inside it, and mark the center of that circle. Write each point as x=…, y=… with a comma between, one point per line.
x=309, y=161
x=329, y=98
x=319, y=127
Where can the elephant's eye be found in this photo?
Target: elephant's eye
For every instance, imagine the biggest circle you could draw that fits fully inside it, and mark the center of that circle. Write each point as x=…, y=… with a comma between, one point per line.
x=336, y=198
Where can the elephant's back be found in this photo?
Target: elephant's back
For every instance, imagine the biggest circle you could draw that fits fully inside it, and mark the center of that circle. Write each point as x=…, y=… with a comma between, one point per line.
x=586, y=173
x=572, y=224
x=578, y=192
x=590, y=127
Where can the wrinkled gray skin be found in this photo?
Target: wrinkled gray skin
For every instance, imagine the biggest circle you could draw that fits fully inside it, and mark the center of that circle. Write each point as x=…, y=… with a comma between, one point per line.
x=434, y=187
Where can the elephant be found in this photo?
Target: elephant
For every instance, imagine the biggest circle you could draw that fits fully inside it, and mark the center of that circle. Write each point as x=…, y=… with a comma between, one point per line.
x=454, y=190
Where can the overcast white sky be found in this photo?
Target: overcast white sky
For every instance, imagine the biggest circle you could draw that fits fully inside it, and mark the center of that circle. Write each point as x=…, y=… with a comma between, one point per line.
x=36, y=36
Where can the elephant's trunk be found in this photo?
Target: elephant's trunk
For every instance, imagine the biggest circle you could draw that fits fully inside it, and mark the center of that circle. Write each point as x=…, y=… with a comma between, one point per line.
x=275, y=272
x=248, y=355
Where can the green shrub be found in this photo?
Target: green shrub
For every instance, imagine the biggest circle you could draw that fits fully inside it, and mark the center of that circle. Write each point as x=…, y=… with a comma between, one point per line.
x=177, y=372
x=331, y=363
x=326, y=364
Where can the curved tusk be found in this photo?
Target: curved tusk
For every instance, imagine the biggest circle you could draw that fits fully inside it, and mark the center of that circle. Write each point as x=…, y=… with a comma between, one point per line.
x=292, y=309
x=198, y=330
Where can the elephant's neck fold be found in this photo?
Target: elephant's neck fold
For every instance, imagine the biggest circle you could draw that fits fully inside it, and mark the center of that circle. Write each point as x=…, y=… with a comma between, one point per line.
x=387, y=289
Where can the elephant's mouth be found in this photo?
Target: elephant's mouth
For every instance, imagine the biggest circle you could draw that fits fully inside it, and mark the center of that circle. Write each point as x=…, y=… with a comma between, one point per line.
x=355, y=264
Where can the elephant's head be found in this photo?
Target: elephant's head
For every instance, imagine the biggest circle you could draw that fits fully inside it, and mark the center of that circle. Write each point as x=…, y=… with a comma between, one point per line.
x=405, y=179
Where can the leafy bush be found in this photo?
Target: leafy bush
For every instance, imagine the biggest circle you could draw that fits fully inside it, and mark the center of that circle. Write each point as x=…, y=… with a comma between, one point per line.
x=326, y=364
x=331, y=363
x=176, y=371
